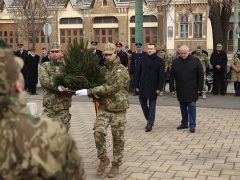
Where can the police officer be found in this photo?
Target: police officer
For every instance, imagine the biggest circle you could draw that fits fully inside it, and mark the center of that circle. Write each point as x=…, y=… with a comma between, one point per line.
x=113, y=103
x=97, y=52
x=137, y=57
x=32, y=148
x=121, y=54
x=56, y=104
x=204, y=61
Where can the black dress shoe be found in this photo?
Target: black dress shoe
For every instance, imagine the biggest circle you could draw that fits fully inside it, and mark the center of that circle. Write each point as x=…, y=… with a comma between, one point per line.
x=148, y=129
x=182, y=127
x=192, y=130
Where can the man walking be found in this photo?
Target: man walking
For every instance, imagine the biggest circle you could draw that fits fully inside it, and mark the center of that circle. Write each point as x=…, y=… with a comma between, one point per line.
x=187, y=72
x=149, y=83
x=113, y=102
x=56, y=104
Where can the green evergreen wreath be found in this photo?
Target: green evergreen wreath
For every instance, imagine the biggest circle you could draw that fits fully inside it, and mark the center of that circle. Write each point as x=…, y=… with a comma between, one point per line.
x=81, y=69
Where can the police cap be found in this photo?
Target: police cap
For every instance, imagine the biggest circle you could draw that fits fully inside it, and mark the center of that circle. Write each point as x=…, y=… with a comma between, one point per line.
x=138, y=44
x=94, y=43
x=118, y=44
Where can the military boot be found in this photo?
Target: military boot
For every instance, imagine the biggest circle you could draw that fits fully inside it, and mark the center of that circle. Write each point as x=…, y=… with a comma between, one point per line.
x=113, y=172
x=102, y=166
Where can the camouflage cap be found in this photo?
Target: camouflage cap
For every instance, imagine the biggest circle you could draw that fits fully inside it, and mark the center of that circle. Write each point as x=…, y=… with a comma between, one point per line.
x=56, y=47
x=109, y=48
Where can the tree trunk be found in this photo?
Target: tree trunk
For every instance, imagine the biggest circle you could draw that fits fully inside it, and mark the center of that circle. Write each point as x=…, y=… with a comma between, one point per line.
x=219, y=15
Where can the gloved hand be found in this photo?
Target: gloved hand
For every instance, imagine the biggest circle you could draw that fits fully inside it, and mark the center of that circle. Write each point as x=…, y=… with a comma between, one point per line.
x=82, y=92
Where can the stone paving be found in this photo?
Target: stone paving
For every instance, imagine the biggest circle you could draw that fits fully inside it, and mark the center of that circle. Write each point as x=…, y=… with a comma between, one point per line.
x=212, y=153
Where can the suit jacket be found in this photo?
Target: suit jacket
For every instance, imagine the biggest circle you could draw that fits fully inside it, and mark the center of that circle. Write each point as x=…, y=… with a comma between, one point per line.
x=23, y=55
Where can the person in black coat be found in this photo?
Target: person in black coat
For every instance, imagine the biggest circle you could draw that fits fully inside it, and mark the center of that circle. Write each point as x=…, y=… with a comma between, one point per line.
x=97, y=53
x=219, y=60
x=44, y=57
x=137, y=57
x=32, y=62
x=23, y=54
x=149, y=83
x=121, y=54
x=187, y=72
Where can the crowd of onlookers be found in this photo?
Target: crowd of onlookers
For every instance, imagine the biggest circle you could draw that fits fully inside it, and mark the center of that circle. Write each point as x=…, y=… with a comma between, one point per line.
x=217, y=63
x=30, y=68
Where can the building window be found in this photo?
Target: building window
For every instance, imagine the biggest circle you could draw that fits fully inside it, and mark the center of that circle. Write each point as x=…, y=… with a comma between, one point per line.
x=104, y=2
x=71, y=21
x=149, y=35
x=105, y=35
x=145, y=19
x=102, y=20
x=230, y=35
x=69, y=35
x=198, y=26
x=184, y=26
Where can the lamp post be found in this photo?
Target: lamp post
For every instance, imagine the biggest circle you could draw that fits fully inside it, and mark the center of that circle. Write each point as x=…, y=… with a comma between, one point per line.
x=139, y=21
x=236, y=28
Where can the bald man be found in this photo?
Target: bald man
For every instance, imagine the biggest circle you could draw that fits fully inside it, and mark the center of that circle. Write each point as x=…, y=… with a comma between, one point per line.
x=187, y=72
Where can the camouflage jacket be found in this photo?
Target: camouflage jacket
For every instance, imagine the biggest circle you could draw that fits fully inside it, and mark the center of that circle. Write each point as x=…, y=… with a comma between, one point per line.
x=35, y=149
x=203, y=59
x=53, y=99
x=114, y=93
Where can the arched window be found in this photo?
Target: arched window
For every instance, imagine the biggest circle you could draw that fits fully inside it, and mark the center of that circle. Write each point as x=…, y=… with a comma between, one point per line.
x=76, y=20
x=184, y=26
x=102, y=20
x=145, y=19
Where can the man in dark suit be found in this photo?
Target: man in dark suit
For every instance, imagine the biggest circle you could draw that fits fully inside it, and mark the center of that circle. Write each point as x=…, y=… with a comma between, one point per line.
x=32, y=62
x=97, y=52
x=23, y=54
x=121, y=54
x=149, y=83
x=137, y=57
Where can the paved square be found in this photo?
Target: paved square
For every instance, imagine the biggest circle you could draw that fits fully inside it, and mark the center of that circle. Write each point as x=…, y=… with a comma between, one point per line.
x=212, y=153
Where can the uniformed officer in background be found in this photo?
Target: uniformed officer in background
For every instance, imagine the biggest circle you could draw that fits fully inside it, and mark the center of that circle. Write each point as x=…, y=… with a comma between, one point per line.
x=97, y=52
x=137, y=57
x=121, y=54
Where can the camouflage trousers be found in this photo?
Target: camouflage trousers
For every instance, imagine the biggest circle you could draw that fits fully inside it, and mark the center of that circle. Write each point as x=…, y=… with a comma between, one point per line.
x=62, y=116
x=117, y=121
x=204, y=85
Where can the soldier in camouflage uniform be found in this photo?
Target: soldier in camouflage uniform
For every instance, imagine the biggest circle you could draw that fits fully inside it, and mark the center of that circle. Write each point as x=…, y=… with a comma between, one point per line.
x=56, y=104
x=204, y=61
x=31, y=149
x=167, y=63
x=113, y=103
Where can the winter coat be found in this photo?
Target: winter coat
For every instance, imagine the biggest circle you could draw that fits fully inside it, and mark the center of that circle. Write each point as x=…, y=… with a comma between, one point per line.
x=219, y=59
x=188, y=75
x=235, y=64
x=150, y=76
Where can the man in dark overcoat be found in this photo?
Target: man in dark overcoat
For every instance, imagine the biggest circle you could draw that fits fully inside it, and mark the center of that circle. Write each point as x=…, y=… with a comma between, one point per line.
x=32, y=62
x=22, y=53
x=187, y=72
x=97, y=53
x=219, y=60
x=121, y=54
x=137, y=57
x=149, y=83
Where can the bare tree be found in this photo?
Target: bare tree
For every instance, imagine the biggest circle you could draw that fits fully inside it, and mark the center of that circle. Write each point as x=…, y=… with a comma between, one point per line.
x=30, y=16
x=220, y=12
